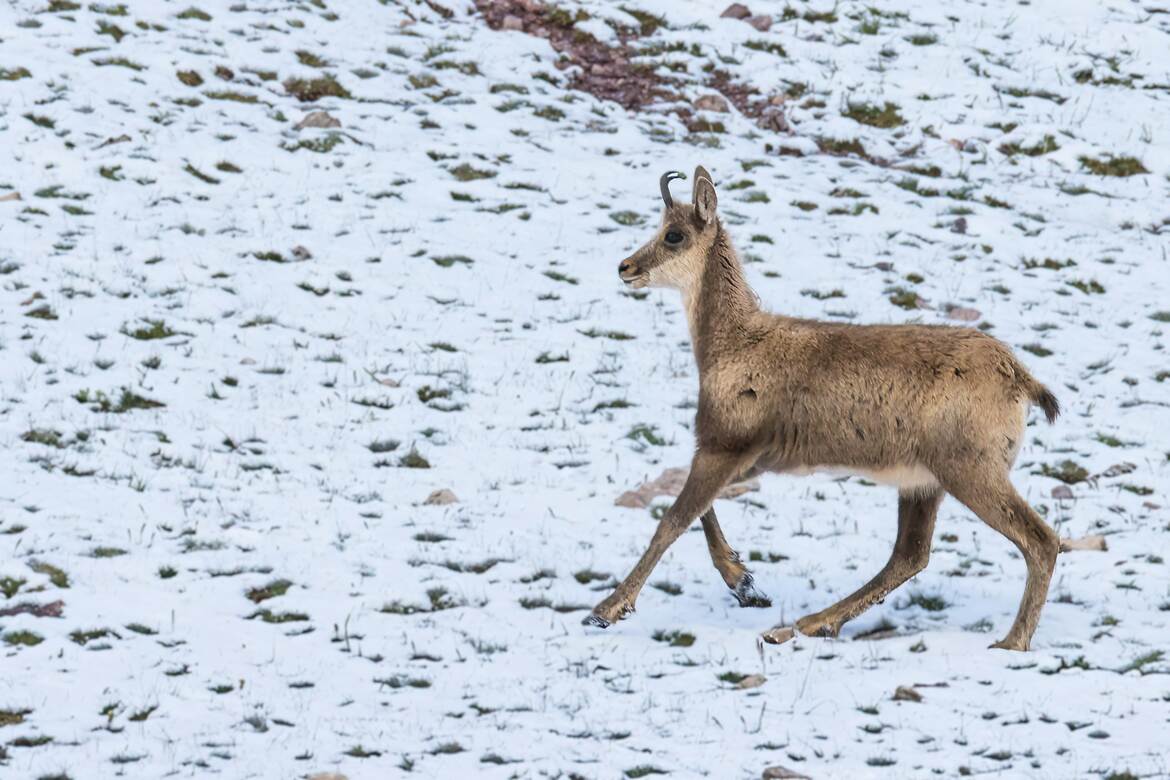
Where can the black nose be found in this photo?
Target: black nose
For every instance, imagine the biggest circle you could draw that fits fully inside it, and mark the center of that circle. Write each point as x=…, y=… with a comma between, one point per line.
x=625, y=267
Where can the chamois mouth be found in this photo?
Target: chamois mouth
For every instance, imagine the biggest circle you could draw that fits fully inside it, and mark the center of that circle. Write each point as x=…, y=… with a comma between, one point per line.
x=635, y=279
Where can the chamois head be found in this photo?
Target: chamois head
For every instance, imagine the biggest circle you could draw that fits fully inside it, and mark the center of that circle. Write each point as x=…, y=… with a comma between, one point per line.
x=675, y=256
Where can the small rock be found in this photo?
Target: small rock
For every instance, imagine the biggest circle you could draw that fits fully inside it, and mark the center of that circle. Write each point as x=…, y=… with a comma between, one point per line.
x=318, y=119
x=960, y=226
x=10, y=196
x=963, y=313
x=712, y=103
x=1117, y=469
x=300, y=253
x=441, y=498
x=761, y=23
x=669, y=483
x=752, y=681
x=905, y=693
x=773, y=118
x=512, y=23
x=1062, y=491
x=1093, y=542
x=735, y=11
x=778, y=635
x=783, y=773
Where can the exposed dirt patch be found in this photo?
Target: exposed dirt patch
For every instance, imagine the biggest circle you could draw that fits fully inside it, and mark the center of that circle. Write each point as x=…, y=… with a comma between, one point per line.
x=610, y=72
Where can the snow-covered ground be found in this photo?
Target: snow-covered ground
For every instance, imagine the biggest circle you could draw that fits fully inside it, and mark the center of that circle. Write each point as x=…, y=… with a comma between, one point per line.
x=237, y=357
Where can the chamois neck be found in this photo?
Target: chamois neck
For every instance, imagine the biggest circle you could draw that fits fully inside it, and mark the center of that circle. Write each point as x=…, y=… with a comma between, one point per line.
x=720, y=303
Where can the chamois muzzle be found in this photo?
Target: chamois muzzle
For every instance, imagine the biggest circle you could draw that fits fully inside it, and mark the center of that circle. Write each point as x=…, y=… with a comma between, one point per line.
x=664, y=185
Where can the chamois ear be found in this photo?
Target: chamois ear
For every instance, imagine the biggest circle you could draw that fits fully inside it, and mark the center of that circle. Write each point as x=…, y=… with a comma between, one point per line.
x=703, y=196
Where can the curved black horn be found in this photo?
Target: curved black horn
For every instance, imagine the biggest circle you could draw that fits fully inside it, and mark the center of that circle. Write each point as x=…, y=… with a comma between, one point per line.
x=664, y=185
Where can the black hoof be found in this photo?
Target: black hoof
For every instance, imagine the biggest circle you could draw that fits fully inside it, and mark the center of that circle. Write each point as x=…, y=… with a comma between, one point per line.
x=595, y=620
x=747, y=595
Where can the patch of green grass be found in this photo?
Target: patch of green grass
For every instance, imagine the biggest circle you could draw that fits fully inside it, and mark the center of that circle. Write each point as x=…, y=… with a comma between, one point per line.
x=467, y=172
x=922, y=39
x=42, y=312
x=927, y=602
x=195, y=13
x=1089, y=287
x=551, y=113
x=56, y=575
x=1067, y=471
x=9, y=586
x=903, y=298
x=413, y=460
x=154, y=329
x=546, y=357
x=885, y=117
x=14, y=74
x=379, y=446
x=190, y=78
x=268, y=616
x=112, y=30
x=40, y=121
x=1045, y=146
x=200, y=175
x=127, y=401
x=446, y=261
x=83, y=638
x=615, y=335
x=769, y=47
x=311, y=90
x=120, y=62
x=322, y=145
x=840, y=147
x=23, y=639
x=557, y=276
x=626, y=218
x=1113, y=166
x=269, y=591
x=646, y=433
x=13, y=717
x=231, y=95
x=674, y=638
x=106, y=552
x=309, y=58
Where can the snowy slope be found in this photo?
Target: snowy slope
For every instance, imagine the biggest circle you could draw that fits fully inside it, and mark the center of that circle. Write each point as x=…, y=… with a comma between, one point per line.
x=236, y=357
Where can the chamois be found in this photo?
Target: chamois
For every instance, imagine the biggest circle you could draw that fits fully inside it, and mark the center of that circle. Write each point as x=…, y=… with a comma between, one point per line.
x=929, y=409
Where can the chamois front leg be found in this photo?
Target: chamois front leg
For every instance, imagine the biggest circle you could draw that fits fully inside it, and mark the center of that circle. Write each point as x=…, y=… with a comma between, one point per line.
x=710, y=472
x=729, y=565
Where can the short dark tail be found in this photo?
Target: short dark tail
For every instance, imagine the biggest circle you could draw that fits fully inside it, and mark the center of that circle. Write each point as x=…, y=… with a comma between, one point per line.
x=1043, y=397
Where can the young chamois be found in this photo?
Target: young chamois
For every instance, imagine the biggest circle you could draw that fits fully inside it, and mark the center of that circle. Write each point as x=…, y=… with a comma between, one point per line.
x=929, y=409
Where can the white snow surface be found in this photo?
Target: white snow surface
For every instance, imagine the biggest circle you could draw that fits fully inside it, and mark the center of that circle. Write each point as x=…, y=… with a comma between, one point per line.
x=296, y=392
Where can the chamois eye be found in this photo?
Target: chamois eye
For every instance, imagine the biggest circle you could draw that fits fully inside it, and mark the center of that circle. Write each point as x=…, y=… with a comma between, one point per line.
x=674, y=237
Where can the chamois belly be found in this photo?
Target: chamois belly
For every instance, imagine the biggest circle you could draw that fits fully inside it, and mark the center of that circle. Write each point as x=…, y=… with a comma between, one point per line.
x=908, y=477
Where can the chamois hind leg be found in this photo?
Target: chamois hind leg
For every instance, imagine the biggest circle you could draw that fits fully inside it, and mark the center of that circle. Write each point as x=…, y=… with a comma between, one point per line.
x=730, y=567
x=710, y=472
x=917, y=510
x=993, y=498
